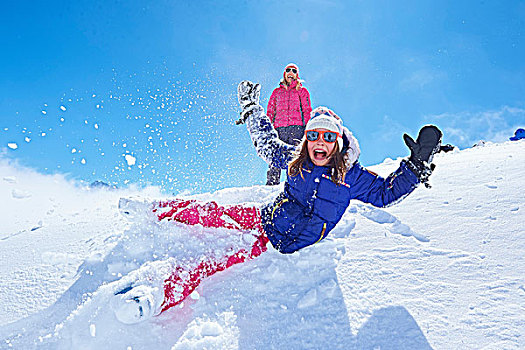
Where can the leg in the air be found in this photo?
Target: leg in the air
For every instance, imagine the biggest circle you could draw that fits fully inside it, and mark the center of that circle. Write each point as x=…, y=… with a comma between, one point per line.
x=184, y=280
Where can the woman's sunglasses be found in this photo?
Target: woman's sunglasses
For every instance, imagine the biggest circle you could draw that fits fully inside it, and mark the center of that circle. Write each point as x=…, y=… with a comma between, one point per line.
x=328, y=136
x=293, y=70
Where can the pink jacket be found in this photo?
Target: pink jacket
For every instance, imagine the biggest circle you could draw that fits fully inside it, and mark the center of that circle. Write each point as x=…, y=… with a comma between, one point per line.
x=289, y=106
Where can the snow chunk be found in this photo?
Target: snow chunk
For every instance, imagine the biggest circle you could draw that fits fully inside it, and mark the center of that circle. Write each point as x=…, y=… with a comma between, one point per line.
x=130, y=159
x=93, y=330
x=221, y=333
x=379, y=216
x=63, y=108
x=19, y=194
x=211, y=329
x=309, y=300
x=328, y=288
x=27, y=139
x=10, y=179
x=56, y=258
x=12, y=145
x=83, y=161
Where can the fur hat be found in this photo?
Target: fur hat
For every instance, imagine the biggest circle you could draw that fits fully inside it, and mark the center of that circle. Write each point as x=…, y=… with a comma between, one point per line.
x=325, y=118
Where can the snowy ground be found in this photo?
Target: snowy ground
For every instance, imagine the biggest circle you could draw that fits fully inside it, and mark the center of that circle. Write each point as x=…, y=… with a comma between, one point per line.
x=444, y=269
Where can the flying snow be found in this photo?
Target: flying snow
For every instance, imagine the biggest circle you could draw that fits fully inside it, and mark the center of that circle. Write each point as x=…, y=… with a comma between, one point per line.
x=130, y=159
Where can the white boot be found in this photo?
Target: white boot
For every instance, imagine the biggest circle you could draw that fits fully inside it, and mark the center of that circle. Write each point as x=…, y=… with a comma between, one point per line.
x=137, y=304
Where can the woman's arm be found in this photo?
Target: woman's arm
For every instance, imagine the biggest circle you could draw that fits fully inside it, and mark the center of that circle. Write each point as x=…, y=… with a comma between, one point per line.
x=271, y=111
x=306, y=105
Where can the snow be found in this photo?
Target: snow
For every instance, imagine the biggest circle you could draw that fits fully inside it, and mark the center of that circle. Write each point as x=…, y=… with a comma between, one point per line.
x=442, y=269
x=130, y=159
x=20, y=194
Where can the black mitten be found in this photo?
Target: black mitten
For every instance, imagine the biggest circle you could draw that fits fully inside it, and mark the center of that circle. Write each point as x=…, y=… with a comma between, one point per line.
x=422, y=151
x=248, y=95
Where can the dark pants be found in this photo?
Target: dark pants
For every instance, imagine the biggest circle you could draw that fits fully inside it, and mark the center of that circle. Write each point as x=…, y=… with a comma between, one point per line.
x=292, y=135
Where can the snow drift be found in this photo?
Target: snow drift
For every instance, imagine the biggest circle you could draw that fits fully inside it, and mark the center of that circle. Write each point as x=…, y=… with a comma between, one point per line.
x=442, y=269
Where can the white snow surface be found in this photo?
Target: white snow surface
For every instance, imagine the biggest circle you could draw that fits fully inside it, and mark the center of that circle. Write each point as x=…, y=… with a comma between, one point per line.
x=443, y=269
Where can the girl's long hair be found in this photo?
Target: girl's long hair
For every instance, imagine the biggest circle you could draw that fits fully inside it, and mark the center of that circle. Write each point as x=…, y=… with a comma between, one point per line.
x=338, y=163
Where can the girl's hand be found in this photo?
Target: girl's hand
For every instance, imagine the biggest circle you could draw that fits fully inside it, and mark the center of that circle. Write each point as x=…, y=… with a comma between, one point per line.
x=248, y=95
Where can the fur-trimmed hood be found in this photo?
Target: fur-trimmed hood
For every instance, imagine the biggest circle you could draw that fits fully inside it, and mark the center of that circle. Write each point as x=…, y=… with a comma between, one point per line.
x=352, y=150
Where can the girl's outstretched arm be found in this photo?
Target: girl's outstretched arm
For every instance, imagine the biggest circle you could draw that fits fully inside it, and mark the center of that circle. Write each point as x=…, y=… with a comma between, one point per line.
x=264, y=137
x=371, y=188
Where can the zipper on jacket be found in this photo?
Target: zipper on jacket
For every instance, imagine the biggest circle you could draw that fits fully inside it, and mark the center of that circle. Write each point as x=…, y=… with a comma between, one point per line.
x=322, y=233
x=278, y=205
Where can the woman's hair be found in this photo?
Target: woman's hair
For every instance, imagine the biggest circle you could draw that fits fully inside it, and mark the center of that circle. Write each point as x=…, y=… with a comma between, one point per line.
x=297, y=87
x=338, y=163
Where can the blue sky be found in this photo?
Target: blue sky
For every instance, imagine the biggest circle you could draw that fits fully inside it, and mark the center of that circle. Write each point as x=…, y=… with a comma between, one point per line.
x=82, y=83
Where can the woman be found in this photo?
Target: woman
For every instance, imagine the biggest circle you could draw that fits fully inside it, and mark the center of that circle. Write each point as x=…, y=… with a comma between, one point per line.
x=323, y=176
x=289, y=110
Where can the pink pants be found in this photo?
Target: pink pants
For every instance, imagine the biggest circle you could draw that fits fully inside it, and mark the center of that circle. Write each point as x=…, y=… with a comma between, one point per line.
x=184, y=280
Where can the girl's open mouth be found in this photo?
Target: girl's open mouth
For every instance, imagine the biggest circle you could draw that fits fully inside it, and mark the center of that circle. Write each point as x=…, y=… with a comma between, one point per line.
x=320, y=155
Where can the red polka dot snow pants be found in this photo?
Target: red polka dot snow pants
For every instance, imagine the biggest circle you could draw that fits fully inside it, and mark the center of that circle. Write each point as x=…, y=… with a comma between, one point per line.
x=185, y=279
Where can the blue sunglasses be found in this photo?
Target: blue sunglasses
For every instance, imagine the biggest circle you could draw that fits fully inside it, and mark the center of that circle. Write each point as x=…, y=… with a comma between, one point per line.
x=328, y=136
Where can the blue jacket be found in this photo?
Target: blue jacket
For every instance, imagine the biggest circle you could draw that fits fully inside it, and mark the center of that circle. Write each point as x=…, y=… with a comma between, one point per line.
x=310, y=207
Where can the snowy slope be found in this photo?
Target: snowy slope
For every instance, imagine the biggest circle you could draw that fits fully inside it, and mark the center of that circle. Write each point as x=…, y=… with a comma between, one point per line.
x=443, y=269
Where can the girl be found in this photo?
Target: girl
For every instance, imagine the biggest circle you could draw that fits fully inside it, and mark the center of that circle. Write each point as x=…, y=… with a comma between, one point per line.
x=323, y=176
